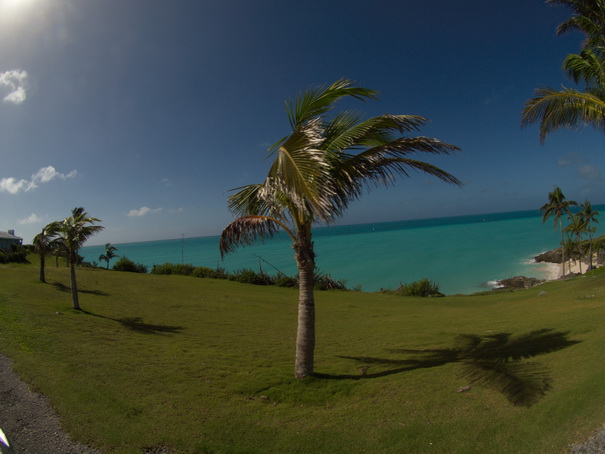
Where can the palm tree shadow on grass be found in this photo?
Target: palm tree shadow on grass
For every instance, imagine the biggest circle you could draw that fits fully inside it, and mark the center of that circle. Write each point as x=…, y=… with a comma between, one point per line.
x=136, y=324
x=494, y=360
x=64, y=288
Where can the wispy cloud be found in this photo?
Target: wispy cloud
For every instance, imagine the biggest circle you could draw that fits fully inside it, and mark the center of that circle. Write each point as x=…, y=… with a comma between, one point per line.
x=15, y=81
x=166, y=182
x=31, y=219
x=143, y=211
x=589, y=172
x=44, y=175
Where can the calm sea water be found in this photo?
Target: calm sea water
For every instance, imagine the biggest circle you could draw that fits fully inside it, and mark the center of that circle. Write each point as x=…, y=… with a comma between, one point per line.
x=462, y=254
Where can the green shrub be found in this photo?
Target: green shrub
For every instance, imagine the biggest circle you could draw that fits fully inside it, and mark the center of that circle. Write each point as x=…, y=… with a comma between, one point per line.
x=248, y=276
x=326, y=282
x=16, y=254
x=173, y=268
x=125, y=264
x=219, y=273
x=202, y=271
x=286, y=281
x=422, y=287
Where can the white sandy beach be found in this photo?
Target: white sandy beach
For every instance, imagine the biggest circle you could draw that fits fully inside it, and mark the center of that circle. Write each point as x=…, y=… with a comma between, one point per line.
x=552, y=271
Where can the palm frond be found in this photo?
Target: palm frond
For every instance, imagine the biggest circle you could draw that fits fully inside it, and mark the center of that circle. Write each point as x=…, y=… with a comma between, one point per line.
x=248, y=230
x=301, y=173
x=567, y=108
x=586, y=66
x=316, y=102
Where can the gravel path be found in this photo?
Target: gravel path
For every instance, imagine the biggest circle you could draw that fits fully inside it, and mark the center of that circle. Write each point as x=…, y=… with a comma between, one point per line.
x=33, y=427
x=29, y=421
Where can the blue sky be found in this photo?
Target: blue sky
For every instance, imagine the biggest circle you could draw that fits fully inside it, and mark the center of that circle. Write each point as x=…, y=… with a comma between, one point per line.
x=148, y=112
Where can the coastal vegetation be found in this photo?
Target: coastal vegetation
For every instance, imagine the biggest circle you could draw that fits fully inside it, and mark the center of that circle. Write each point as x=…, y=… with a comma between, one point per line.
x=557, y=207
x=65, y=238
x=110, y=253
x=394, y=373
x=319, y=168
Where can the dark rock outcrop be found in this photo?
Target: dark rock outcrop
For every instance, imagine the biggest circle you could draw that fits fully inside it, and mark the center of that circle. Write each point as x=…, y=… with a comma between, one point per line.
x=553, y=256
x=519, y=282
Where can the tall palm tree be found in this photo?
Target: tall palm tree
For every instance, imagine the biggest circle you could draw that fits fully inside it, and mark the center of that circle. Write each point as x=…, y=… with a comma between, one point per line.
x=43, y=245
x=557, y=206
x=589, y=215
x=571, y=108
x=74, y=231
x=319, y=168
x=109, y=253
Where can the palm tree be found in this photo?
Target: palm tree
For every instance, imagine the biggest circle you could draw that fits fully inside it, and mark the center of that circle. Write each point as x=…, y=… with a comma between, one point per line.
x=571, y=108
x=74, y=231
x=109, y=253
x=588, y=18
x=576, y=227
x=557, y=206
x=43, y=245
x=589, y=215
x=319, y=168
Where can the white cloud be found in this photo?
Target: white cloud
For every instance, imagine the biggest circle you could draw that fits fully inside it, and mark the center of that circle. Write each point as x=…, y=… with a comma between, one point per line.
x=44, y=175
x=166, y=182
x=143, y=211
x=12, y=185
x=15, y=81
x=589, y=172
x=31, y=219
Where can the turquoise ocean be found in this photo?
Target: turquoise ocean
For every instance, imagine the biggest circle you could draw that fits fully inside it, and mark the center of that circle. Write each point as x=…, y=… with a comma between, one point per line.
x=463, y=254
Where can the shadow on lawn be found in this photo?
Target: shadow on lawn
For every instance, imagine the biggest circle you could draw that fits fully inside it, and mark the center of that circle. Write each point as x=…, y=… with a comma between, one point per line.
x=494, y=360
x=136, y=324
x=64, y=288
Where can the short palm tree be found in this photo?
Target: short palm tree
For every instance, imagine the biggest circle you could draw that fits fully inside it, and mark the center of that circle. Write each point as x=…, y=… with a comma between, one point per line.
x=43, y=245
x=557, y=206
x=319, y=168
x=74, y=231
x=109, y=253
x=589, y=215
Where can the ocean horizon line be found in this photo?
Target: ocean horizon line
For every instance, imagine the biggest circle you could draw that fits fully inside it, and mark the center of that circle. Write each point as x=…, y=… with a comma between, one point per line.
x=494, y=216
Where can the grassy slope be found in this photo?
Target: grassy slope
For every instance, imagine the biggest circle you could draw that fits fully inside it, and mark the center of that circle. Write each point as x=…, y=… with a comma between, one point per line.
x=206, y=366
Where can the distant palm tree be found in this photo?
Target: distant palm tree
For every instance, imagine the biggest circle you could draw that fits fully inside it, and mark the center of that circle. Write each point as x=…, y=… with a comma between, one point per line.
x=557, y=206
x=576, y=227
x=589, y=215
x=319, y=168
x=109, y=253
x=74, y=231
x=570, y=108
x=43, y=245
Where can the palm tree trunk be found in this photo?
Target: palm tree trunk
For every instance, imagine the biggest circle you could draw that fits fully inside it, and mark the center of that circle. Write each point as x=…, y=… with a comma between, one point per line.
x=562, y=249
x=305, y=335
x=74, y=285
x=42, y=264
x=590, y=250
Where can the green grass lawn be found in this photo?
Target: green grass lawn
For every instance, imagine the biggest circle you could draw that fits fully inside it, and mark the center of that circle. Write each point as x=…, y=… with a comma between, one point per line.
x=206, y=366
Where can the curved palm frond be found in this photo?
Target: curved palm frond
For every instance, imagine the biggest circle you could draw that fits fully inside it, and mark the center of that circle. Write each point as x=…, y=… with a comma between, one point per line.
x=567, y=108
x=588, y=18
x=301, y=173
x=347, y=131
x=248, y=230
x=586, y=66
x=316, y=102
